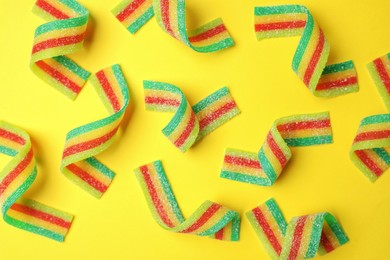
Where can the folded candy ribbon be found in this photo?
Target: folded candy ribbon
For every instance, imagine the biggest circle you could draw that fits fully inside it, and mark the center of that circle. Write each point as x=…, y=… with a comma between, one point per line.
x=210, y=219
x=171, y=16
x=15, y=179
x=380, y=73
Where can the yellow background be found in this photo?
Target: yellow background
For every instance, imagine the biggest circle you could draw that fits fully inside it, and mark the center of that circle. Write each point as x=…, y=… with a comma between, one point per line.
x=259, y=75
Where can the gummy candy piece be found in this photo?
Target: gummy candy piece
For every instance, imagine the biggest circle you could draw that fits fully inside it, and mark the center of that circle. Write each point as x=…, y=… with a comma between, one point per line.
x=380, y=73
x=63, y=34
x=370, y=151
x=171, y=16
x=265, y=167
x=83, y=143
x=302, y=238
x=312, y=53
x=15, y=178
x=189, y=124
x=210, y=219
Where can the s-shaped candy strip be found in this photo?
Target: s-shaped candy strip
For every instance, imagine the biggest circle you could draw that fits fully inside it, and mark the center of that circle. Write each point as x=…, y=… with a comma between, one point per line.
x=370, y=151
x=302, y=238
x=265, y=167
x=15, y=178
x=210, y=219
x=83, y=143
x=312, y=52
x=171, y=16
x=189, y=124
x=380, y=73
x=63, y=34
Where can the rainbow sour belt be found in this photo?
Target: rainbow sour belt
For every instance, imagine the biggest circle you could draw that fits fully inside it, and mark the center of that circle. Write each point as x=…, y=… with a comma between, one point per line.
x=302, y=238
x=189, y=124
x=210, y=219
x=15, y=178
x=370, y=150
x=380, y=73
x=265, y=167
x=83, y=143
x=312, y=52
x=63, y=34
x=171, y=16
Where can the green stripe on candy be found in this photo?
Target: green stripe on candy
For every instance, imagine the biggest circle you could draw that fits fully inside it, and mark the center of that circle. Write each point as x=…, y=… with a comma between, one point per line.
x=226, y=43
x=383, y=154
x=100, y=167
x=242, y=177
x=121, y=81
x=334, y=68
x=304, y=41
x=376, y=119
x=8, y=151
x=277, y=215
x=315, y=235
x=267, y=166
x=141, y=21
x=177, y=118
x=73, y=67
x=61, y=24
x=281, y=9
x=308, y=141
x=204, y=103
x=75, y=6
x=181, y=19
x=228, y=217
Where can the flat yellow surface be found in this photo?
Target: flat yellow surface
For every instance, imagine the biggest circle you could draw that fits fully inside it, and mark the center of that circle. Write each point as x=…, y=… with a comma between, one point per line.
x=259, y=75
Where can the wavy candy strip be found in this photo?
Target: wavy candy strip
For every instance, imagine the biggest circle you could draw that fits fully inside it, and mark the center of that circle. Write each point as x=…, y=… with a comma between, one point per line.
x=380, y=73
x=63, y=34
x=189, y=124
x=171, y=16
x=83, y=143
x=265, y=167
x=15, y=178
x=210, y=219
x=370, y=151
x=312, y=53
x=302, y=238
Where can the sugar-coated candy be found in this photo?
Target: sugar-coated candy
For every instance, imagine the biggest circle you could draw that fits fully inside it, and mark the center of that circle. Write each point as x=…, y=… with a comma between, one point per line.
x=380, y=73
x=210, y=219
x=370, y=151
x=265, y=167
x=83, y=143
x=63, y=34
x=171, y=16
x=301, y=238
x=312, y=53
x=15, y=179
x=189, y=124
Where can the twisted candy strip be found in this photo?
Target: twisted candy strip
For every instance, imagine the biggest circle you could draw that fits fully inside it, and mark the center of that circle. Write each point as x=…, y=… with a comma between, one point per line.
x=302, y=238
x=171, y=16
x=83, y=143
x=15, y=178
x=210, y=219
x=380, y=73
x=370, y=151
x=63, y=34
x=189, y=124
x=312, y=52
x=265, y=167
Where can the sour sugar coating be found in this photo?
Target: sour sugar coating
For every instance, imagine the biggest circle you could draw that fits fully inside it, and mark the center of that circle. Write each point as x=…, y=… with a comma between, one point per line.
x=312, y=53
x=171, y=16
x=301, y=238
x=15, y=179
x=380, y=73
x=265, y=167
x=370, y=151
x=63, y=34
x=83, y=143
x=210, y=219
x=189, y=124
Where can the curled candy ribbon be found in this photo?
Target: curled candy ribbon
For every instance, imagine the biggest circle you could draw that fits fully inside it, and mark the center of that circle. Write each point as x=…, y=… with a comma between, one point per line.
x=171, y=16
x=210, y=219
x=265, y=167
x=83, y=143
x=370, y=151
x=63, y=34
x=189, y=124
x=15, y=179
x=380, y=73
x=302, y=238
x=312, y=53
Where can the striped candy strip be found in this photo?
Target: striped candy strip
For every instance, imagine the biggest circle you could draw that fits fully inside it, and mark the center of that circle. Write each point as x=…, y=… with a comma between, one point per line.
x=171, y=16
x=63, y=34
x=83, y=143
x=380, y=73
x=312, y=53
x=302, y=238
x=210, y=219
x=189, y=124
x=265, y=167
x=370, y=151
x=15, y=178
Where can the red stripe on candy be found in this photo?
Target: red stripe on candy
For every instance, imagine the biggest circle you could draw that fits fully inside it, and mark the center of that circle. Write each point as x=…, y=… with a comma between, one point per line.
x=216, y=114
x=294, y=126
x=297, y=238
x=11, y=136
x=58, y=42
x=208, y=34
x=314, y=59
x=242, y=161
x=219, y=234
x=372, y=135
x=276, y=150
x=187, y=131
x=162, y=101
x=51, y=9
x=85, y=176
x=165, y=16
x=325, y=242
x=337, y=83
x=131, y=8
x=107, y=88
x=203, y=219
x=279, y=26
x=369, y=163
x=382, y=73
